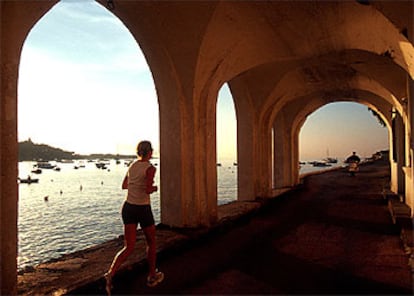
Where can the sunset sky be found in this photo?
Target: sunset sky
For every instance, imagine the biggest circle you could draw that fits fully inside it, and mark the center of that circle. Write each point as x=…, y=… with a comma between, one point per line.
x=84, y=86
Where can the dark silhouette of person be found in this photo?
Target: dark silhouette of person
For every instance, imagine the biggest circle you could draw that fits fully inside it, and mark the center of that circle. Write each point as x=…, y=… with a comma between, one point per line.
x=353, y=162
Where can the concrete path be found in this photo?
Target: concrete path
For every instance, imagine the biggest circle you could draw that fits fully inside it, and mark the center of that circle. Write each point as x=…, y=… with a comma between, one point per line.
x=333, y=235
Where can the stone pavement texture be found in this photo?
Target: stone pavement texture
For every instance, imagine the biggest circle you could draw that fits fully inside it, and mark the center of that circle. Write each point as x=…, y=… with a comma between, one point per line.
x=332, y=235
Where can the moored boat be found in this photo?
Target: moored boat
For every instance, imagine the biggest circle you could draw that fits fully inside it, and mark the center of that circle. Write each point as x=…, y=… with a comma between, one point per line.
x=331, y=160
x=101, y=165
x=320, y=164
x=44, y=165
x=28, y=180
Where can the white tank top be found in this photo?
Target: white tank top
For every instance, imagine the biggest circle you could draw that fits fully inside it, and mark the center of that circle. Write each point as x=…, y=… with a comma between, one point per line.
x=137, y=183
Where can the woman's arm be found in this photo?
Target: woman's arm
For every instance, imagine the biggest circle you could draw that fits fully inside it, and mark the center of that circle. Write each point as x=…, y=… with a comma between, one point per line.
x=150, y=173
x=125, y=182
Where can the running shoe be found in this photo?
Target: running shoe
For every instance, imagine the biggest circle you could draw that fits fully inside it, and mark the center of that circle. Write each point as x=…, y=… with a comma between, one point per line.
x=152, y=281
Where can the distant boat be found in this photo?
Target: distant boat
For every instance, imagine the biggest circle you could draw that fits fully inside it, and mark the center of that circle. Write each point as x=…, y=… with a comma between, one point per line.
x=28, y=180
x=331, y=160
x=44, y=165
x=37, y=171
x=320, y=164
x=219, y=164
x=101, y=165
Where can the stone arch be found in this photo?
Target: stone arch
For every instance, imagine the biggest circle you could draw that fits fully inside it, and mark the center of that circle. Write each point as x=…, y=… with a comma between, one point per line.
x=224, y=34
x=276, y=90
x=353, y=27
x=188, y=155
x=225, y=63
x=313, y=102
x=362, y=97
x=91, y=12
x=290, y=113
x=367, y=87
x=306, y=78
x=25, y=14
x=309, y=79
x=193, y=51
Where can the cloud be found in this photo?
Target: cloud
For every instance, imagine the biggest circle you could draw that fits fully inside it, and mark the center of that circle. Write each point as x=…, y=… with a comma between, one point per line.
x=85, y=32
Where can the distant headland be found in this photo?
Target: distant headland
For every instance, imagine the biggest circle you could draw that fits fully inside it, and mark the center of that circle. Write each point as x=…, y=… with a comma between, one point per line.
x=29, y=151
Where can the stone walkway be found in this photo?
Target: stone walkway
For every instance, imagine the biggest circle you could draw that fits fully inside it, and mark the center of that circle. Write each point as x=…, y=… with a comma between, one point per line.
x=332, y=235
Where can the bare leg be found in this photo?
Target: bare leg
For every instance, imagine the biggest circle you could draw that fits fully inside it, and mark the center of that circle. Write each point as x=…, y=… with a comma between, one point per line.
x=151, y=248
x=130, y=236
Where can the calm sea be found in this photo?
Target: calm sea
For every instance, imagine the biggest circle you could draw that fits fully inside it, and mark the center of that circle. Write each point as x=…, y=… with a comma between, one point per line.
x=83, y=206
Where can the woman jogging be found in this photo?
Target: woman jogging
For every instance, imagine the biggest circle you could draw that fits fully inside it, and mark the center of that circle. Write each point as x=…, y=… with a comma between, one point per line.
x=136, y=210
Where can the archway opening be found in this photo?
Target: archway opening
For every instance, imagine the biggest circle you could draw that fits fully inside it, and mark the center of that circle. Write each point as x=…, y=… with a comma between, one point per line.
x=337, y=129
x=84, y=87
x=226, y=131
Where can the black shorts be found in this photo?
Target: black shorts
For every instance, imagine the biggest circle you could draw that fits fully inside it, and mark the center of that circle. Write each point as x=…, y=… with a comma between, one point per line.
x=137, y=214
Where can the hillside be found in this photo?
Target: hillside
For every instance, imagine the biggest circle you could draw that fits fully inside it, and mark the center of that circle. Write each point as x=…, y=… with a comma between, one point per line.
x=29, y=151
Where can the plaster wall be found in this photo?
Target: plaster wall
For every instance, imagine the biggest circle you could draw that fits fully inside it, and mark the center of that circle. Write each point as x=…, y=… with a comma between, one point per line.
x=17, y=18
x=228, y=32
x=409, y=166
x=282, y=153
x=409, y=190
x=247, y=151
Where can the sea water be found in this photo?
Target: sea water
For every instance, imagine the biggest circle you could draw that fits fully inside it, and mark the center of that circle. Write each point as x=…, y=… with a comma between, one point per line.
x=73, y=209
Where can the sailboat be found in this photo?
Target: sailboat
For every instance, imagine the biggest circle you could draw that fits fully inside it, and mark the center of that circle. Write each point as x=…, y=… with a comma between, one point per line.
x=330, y=159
